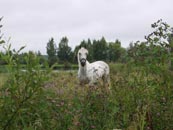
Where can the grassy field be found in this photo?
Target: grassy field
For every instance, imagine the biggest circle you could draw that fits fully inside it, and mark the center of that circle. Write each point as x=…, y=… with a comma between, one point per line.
x=3, y=78
x=139, y=99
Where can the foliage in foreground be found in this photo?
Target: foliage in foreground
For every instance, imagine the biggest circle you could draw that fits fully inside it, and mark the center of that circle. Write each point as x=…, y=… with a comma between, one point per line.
x=140, y=98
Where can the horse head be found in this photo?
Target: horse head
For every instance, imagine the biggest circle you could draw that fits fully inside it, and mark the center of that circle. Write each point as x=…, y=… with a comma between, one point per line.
x=82, y=56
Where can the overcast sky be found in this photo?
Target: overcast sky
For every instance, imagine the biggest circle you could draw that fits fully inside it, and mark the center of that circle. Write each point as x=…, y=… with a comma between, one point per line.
x=34, y=22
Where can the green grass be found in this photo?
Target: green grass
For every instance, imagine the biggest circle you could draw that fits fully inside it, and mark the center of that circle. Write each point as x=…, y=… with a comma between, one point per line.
x=133, y=103
x=3, y=69
x=139, y=99
x=3, y=78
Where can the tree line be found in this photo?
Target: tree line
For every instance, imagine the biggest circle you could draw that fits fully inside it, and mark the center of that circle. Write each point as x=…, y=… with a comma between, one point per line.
x=98, y=50
x=157, y=48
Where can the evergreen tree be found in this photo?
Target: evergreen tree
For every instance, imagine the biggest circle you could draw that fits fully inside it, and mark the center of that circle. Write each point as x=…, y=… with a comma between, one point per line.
x=100, y=49
x=51, y=52
x=64, y=51
x=115, y=51
x=90, y=49
x=75, y=54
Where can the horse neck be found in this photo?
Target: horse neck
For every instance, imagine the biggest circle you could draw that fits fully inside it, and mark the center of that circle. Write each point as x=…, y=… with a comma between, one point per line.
x=83, y=69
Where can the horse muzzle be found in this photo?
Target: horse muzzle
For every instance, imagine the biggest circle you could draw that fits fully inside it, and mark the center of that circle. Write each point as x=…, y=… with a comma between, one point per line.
x=83, y=61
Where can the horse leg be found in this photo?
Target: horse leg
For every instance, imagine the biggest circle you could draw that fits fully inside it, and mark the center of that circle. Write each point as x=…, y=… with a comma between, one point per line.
x=106, y=82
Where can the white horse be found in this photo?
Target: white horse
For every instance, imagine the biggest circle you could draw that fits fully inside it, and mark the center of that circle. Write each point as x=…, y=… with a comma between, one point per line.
x=91, y=73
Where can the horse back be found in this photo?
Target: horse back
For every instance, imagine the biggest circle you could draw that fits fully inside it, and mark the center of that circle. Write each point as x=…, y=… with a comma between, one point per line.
x=101, y=65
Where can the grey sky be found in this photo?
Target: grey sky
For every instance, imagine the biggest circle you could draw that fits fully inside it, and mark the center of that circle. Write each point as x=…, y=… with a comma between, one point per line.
x=34, y=22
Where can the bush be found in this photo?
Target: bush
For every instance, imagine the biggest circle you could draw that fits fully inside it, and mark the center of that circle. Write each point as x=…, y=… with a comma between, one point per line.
x=23, y=102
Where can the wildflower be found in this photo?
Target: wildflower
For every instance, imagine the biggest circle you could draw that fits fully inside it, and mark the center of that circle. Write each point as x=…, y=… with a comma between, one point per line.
x=92, y=126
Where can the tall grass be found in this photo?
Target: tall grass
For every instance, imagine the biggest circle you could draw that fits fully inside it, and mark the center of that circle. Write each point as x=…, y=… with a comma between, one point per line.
x=140, y=98
x=3, y=78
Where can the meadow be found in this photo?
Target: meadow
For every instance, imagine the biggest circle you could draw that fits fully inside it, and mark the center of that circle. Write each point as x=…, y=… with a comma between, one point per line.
x=33, y=96
x=140, y=98
x=3, y=78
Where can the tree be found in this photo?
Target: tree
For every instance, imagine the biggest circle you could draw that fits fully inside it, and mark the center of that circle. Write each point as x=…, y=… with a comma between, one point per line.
x=2, y=61
x=64, y=51
x=90, y=49
x=41, y=57
x=115, y=51
x=51, y=51
x=158, y=41
x=75, y=53
x=156, y=49
x=100, y=49
x=1, y=41
x=171, y=50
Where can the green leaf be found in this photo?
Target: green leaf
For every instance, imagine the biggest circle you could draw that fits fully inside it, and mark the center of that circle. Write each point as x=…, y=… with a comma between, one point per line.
x=21, y=49
x=156, y=39
x=2, y=41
